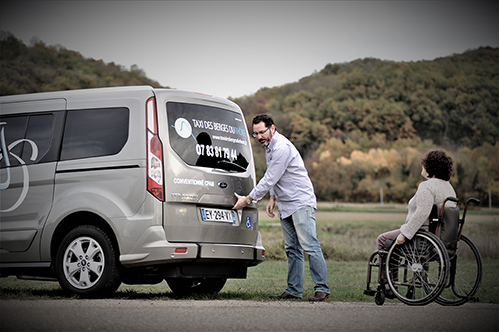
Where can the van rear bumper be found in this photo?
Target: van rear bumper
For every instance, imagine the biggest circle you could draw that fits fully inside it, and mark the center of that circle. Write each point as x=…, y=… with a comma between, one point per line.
x=156, y=250
x=209, y=251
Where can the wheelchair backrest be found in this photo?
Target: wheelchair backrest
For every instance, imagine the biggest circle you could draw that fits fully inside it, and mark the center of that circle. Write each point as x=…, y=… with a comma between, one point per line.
x=446, y=226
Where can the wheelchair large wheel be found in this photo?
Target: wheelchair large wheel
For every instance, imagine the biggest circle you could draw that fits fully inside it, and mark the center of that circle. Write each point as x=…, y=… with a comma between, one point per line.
x=417, y=270
x=465, y=275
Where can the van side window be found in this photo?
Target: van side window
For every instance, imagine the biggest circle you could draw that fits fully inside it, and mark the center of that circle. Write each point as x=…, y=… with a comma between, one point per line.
x=39, y=132
x=94, y=133
x=12, y=129
x=30, y=138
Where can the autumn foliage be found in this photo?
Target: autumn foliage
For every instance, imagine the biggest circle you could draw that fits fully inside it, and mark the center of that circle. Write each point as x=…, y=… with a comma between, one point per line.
x=362, y=127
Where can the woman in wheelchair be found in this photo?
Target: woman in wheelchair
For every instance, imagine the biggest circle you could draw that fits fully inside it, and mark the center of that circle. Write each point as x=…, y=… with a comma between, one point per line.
x=437, y=169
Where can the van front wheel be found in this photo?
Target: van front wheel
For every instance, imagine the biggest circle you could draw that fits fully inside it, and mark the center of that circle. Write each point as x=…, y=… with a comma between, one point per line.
x=189, y=286
x=86, y=263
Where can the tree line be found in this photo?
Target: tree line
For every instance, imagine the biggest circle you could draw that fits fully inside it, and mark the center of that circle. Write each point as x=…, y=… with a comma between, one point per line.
x=42, y=68
x=360, y=126
x=364, y=125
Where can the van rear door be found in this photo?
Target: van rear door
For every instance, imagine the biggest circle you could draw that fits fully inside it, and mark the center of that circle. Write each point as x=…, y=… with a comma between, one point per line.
x=208, y=157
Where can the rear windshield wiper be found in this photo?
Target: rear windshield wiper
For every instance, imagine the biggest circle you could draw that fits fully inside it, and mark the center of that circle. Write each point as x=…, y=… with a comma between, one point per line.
x=231, y=166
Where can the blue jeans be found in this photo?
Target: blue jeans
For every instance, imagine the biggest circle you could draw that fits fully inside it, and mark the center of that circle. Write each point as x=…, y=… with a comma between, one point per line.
x=300, y=236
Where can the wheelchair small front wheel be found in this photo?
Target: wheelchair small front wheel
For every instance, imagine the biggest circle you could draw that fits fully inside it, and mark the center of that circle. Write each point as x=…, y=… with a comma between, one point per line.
x=417, y=271
x=379, y=297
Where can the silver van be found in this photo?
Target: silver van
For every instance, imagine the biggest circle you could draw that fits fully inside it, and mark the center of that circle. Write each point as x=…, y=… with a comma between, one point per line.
x=128, y=184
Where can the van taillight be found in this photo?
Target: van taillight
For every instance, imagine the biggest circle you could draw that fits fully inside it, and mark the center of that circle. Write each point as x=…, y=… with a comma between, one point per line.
x=154, y=153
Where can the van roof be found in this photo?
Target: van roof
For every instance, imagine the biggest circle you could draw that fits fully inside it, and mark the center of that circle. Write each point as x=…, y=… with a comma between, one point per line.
x=106, y=90
x=69, y=93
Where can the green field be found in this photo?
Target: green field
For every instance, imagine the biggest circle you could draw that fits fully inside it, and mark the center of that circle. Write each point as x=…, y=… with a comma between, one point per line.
x=347, y=239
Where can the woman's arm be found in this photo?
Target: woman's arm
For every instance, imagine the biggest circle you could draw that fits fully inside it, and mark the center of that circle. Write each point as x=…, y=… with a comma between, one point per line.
x=425, y=199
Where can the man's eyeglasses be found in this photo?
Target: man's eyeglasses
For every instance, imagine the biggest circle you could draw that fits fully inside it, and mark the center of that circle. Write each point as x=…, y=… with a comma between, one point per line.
x=260, y=132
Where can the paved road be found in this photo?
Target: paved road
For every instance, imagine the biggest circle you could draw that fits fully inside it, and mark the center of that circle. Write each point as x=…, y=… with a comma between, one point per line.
x=229, y=315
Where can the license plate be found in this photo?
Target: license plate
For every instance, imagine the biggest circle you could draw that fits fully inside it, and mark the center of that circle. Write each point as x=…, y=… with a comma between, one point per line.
x=218, y=215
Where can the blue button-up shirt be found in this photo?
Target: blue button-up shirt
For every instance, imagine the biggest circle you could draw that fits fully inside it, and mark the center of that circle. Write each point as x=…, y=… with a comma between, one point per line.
x=286, y=178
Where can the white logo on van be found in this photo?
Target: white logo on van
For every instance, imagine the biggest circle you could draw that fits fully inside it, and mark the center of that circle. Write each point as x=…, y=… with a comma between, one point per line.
x=5, y=155
x=183, y=128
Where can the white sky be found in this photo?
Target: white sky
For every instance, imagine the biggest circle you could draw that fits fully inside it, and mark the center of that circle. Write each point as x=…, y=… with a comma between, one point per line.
x=234, y=48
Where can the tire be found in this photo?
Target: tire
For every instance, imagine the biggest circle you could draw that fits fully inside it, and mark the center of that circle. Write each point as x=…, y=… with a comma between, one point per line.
x=418, y=270
x=465, y=275
x=188, y=286
x=379, y=297
x=86, y=263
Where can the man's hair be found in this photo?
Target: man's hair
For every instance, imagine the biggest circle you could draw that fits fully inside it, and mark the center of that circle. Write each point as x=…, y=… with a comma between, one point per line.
x=437, y=163
x=265, y=118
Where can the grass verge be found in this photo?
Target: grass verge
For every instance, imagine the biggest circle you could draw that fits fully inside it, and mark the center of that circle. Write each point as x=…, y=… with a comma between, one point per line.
x=347, y=281
x=347, y=245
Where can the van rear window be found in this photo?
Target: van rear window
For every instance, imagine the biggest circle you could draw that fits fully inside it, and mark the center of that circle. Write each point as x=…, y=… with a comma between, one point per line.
x=95, y=133
x=208, y=136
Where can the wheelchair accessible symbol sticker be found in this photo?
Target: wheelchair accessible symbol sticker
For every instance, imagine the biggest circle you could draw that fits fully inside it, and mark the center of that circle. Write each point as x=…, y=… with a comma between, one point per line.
x=248, y=222
x=183, y=128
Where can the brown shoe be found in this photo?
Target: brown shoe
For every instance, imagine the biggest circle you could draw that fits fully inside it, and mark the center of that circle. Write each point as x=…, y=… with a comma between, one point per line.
x=284, y=296
x=319, y=296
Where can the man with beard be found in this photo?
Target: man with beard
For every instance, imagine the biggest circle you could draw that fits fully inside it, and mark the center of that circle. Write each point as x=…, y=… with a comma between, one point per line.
x=288, y=182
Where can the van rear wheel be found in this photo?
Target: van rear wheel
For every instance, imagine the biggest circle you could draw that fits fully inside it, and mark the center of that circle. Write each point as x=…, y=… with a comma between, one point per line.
x=86, y=263
x=189, y=286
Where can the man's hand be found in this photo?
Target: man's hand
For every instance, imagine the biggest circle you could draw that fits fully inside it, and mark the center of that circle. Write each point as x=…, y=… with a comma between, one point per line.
x=270, y=207
x=241, y=202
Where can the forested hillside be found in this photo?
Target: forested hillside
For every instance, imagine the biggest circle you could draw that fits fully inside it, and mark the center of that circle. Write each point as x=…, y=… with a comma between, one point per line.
x=361, y=126
x=41, y=68
x=447, y=100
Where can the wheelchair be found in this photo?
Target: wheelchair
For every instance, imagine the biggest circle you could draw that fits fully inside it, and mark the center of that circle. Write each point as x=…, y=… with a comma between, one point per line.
x=440, y=265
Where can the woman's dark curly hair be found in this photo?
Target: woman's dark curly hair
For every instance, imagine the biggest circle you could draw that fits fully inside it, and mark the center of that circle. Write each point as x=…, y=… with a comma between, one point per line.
x=437, y=163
